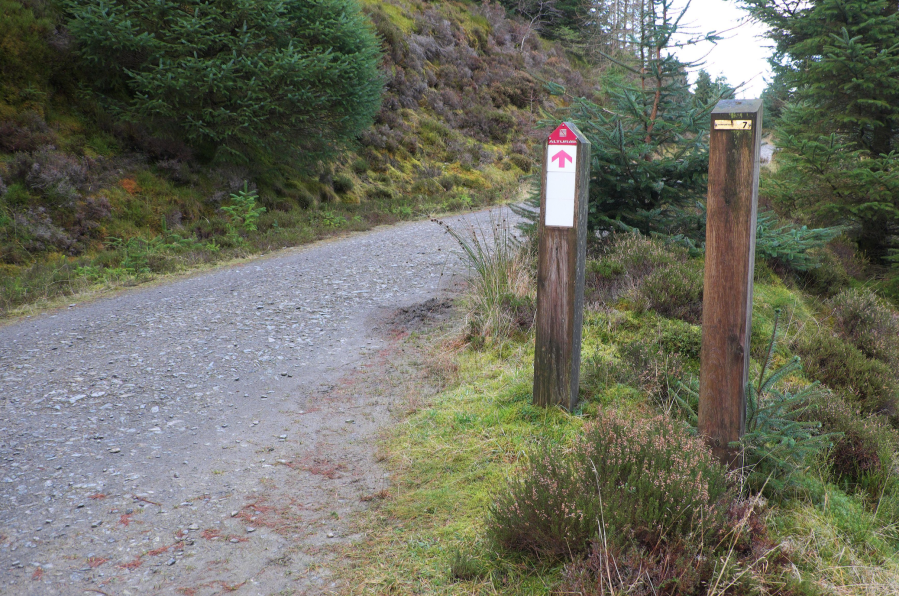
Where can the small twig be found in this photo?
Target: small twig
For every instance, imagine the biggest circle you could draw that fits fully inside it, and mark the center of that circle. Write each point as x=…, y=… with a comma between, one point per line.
x=96, y=590
x=136, y=498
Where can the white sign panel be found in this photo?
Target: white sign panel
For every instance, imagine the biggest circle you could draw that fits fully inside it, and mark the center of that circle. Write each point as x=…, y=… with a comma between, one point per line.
x=561, y=179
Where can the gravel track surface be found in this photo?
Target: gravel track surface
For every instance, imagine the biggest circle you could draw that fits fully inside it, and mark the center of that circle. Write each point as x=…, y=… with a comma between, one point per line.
x=214, y=434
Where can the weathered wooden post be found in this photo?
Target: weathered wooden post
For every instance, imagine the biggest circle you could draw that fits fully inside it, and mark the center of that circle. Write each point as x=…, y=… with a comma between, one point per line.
x=735, y=140
x=562, y=231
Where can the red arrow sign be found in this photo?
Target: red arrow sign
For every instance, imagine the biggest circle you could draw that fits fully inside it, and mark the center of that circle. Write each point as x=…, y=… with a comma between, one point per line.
x=561, y=156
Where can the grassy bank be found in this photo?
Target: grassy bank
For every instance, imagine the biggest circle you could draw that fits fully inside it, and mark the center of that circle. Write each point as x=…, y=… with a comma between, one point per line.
x=825, y=524
x=153, y=243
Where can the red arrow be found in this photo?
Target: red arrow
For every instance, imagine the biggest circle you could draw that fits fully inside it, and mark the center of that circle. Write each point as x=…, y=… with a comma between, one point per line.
x=561, y=156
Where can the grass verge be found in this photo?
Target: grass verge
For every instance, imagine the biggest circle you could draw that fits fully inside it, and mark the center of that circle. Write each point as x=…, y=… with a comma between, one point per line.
x=451, y=455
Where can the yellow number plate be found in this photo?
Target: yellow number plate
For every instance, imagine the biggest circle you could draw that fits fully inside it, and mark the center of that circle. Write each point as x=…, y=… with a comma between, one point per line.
x=733, y=124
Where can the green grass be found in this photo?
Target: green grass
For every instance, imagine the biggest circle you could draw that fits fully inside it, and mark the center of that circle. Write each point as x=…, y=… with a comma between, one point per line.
x=446, y=461
x=449, y=456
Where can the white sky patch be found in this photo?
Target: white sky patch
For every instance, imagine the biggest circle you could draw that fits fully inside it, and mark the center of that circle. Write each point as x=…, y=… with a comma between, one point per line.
x=741, y=57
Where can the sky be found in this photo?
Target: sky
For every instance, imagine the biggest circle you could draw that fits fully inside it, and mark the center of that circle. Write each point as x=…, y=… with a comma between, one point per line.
x=741, y=56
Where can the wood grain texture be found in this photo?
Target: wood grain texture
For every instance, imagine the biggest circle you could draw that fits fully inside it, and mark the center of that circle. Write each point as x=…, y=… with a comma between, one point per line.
x=729, y=269
x=560, y=294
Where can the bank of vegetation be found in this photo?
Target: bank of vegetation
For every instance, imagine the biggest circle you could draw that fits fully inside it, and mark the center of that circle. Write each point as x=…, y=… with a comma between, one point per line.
x=138, y=138
x=493, y=495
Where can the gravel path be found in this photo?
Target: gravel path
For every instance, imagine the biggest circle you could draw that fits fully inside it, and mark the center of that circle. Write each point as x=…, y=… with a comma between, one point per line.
x=213, y=434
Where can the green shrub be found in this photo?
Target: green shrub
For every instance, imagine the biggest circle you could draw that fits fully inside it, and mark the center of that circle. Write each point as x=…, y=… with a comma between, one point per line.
x=868, y=323
x=343, y=184
x=651, y=363
x=360, y=165
x=862, y=457
x=243, y=210
x=828, y=279
x=796, y=247
x=605, y=268
x=674, y=291
x=465, y=567
x=27, y=62
x=843, y=367
x=620, y=263
x=522, y=162
x=237, y=78
x=635, y=478
x=887, y=506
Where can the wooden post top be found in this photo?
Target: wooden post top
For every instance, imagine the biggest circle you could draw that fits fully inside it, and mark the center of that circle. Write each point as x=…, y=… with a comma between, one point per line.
x=558, y=137
x=738, y=106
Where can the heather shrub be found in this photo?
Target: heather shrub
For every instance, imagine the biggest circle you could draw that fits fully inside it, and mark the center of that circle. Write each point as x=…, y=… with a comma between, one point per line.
x=620, y=264
x=644, y=479
x=676, y=569
x=868, y=323
x=89, y=215
x=843, y=367
x=488, y=125
x=652, y=477
x=26, y=132
x=650, y=273
x=686, y=566
x=674, y=290
x=35, y=231
x=55, y=175
x=549, y=510
x=862, y=458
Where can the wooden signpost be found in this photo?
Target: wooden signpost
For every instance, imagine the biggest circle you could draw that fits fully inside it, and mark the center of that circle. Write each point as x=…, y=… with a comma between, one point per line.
x=734, y=144
x=562, y=231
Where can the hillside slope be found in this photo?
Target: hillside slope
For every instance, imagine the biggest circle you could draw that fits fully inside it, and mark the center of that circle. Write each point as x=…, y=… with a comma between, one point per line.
x=87, y=201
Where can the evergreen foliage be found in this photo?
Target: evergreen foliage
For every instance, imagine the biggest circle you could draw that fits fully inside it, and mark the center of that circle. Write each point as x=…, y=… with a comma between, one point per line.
x=791, y=245
x=832, y=179
x=27, y=61
x=837, y=63
x=780, y=439
x=703, y=89
x=707, y=92
x=650, y=149
x=237, y=78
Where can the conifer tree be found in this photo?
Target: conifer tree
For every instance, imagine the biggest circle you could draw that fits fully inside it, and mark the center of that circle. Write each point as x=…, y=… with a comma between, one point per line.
x=650, y=146
x=703, y=90
x=837, y=62
x=237, y=79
